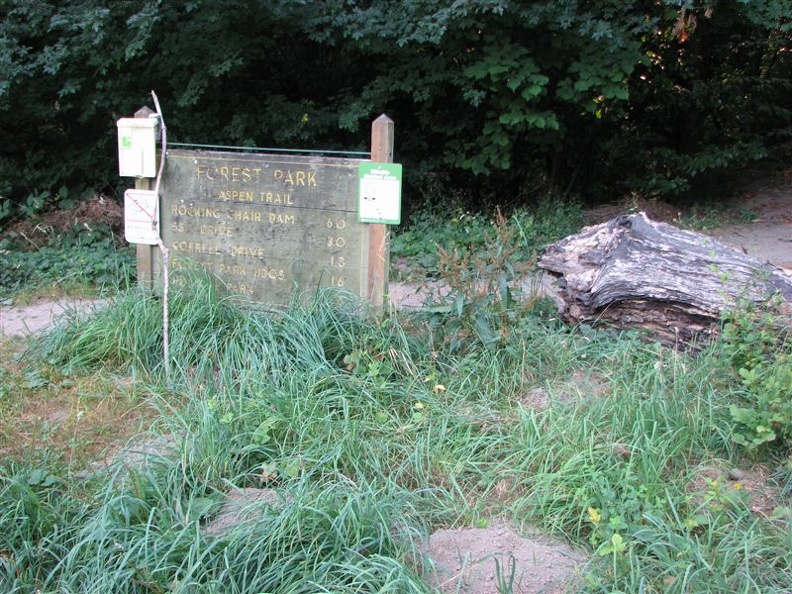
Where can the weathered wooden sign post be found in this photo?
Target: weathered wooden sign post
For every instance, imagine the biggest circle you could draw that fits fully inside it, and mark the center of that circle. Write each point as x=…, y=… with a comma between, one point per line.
x=269, y=224
x=382, y=137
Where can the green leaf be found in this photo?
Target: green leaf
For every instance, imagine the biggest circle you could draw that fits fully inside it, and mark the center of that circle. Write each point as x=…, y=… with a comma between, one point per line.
x=202, y=507
x=484, y=330
x=262, y=434
x=459, y=303
x=292, y=466
x=616, y=545
x=530, y=93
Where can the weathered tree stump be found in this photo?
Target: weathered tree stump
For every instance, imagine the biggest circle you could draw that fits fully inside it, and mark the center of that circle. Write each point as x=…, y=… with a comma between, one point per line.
x=631, y=272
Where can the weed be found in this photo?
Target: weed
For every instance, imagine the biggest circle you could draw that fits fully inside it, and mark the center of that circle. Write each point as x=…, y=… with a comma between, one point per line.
x=706, y=216
x=505, y=579
x=89, y=261
x=757, y=344
x=461, y=231
x=481, y=305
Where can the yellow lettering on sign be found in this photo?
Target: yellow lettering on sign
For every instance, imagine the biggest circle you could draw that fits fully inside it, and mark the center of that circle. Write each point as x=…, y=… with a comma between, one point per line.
x=276, y=274
x=215, y=230
x=275, y=198
x=195, y=247
x=232, y=270
x=244, y=215
x=281, y=219
x=228, y=173
x=241, y=289
x=236, y=195
x=191, y=211
x=246, y=251
x=295, y=178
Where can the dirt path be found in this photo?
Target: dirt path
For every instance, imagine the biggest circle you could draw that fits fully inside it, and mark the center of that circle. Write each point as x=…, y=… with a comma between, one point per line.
x=41, y=315
x=769, y=235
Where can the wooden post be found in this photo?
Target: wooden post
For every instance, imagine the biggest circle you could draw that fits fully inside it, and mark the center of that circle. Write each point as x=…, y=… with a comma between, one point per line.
x=379, y=237
x=145, y=253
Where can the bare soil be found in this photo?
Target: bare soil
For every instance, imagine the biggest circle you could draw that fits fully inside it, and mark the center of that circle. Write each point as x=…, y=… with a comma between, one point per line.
x=497, y=559
x=40, y=315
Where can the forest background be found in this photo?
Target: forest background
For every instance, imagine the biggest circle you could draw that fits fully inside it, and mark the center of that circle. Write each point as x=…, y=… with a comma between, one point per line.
x=496, y=102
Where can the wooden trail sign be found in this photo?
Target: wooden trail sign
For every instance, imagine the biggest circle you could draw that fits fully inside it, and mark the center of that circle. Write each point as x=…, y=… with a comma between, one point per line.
x=267, y=224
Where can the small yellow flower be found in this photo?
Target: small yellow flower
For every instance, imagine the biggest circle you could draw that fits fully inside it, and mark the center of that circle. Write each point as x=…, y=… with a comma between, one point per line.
x=737, y=486
x=439, y=389
x=594, y=515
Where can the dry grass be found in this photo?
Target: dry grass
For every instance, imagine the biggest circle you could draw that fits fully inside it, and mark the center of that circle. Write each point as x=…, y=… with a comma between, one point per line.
x=74, y=420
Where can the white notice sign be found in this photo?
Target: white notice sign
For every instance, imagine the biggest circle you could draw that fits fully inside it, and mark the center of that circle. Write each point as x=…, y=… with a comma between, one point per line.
x=141, y=217
x=379, y=193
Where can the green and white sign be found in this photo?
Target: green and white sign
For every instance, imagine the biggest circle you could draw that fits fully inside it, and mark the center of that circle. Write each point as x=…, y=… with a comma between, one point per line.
x=379, y=193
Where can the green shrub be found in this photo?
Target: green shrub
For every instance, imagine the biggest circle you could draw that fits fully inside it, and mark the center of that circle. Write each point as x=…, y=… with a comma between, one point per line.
x=79, y=259
x=759, y=348
x=456, y=229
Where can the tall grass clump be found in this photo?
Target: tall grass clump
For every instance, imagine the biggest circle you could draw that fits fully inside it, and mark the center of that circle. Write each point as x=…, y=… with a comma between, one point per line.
x=127, y=332
x=215, y=339
x=622, y=472
x=38, y=519
x=146, y=533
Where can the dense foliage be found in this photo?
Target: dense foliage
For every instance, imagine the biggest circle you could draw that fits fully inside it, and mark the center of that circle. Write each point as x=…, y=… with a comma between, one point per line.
x=75, y=262
x=506, y=99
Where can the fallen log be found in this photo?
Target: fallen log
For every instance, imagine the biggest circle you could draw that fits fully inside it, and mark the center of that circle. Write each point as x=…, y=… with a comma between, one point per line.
x=632, y=272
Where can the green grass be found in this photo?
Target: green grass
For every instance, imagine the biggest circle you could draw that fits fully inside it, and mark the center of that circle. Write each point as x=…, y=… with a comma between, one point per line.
x=374, y=431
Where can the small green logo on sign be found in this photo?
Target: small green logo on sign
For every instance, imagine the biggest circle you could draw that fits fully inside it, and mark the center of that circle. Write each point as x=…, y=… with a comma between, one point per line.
x=126, y=142
x=379, y=193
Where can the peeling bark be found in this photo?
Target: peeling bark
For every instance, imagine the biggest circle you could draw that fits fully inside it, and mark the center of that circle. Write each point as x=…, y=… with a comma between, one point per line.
x=631, y=272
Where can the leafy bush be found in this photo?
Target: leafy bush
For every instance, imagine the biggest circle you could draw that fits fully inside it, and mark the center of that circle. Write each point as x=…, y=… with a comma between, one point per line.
x=435, y=228
x=595, y=98
x=759, y=347
x=78, y=259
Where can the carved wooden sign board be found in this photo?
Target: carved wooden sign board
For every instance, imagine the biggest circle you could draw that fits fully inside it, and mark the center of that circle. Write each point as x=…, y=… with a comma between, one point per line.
x=267, y=224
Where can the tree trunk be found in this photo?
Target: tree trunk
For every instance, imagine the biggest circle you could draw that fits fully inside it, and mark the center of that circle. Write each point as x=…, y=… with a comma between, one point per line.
x=634, y=273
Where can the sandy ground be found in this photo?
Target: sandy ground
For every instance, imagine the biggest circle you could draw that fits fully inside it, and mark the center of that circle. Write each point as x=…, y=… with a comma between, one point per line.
x=40, y=315
x=769, y=236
